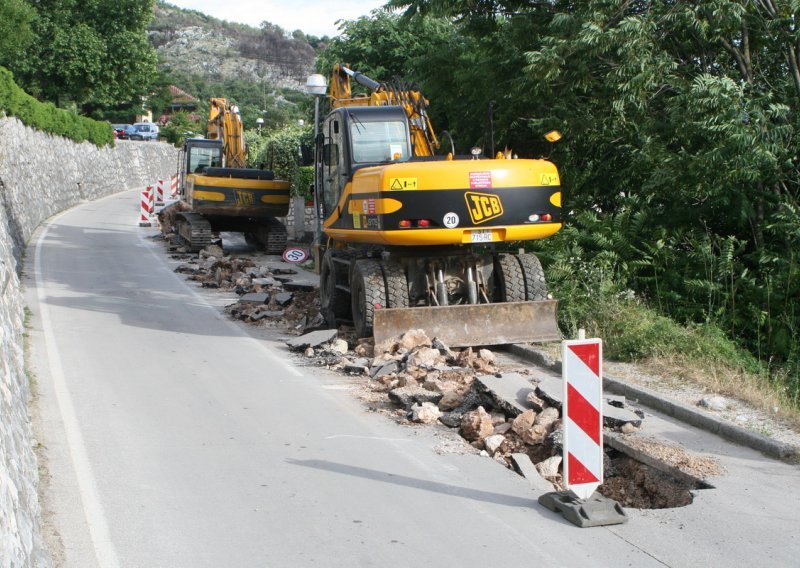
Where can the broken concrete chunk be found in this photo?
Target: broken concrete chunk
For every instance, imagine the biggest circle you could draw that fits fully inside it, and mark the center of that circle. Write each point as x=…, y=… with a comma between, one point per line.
x=264, y=281
x=494, y=443
x=338, y=346
x=502, y=428
x=476, y=425
x=552, y=390
x=614, y=417
x=628, y=428
x=524, y=466
x=364, y=349
x=384, y=369
x=535, y=402
x=406, y=396
x=424, y=413
x=414, y=338
x=487, y=356
x=549, y=467
x=451, y=400
x=313, y=339
x=212, y=250
x=614, y=400
x=523, y=422
x=354, y=369
x=546, y=417
x=283, y=298
x=252, y=298
x=298, y=287
x=425, y=357
x=508, y=391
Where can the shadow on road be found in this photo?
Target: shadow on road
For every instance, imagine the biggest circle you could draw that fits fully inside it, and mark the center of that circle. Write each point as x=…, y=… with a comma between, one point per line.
x=415, y=483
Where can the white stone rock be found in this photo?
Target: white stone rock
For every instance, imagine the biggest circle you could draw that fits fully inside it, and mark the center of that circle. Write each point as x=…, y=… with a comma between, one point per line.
x=549, y=467
x=494, y=443
x=425, y=413
x=716, y=403
x=339, y=346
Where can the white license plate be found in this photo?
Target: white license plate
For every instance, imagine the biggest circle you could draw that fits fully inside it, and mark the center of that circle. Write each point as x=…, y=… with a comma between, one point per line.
x=481, y=236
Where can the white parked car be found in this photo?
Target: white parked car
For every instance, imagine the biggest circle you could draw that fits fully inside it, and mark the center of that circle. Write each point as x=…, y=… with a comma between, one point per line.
x=144, y=131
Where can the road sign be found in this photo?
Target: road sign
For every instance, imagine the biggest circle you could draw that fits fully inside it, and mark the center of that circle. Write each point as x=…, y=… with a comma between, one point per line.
x=295, y=255
x=582, y=370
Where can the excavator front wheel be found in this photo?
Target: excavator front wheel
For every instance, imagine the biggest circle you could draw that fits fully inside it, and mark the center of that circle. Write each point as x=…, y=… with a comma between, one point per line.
x=367, y=292
x=334, y=302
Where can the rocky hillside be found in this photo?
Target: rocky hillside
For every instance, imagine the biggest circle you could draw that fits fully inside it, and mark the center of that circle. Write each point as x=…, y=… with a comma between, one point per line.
x=191, y=43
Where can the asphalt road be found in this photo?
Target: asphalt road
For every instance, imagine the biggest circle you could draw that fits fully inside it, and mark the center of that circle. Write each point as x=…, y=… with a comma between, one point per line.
x=174, y=439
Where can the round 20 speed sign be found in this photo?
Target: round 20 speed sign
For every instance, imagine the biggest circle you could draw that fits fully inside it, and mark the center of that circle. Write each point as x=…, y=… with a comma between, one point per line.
x=294, y=255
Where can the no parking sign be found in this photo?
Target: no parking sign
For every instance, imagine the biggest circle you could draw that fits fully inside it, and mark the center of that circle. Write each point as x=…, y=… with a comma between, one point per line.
x=294, y=255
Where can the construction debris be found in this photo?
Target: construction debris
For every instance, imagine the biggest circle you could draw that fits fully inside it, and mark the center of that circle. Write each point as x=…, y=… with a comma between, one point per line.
x=511, y=417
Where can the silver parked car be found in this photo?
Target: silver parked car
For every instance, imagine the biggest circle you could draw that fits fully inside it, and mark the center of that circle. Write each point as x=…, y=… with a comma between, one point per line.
x=144, y=131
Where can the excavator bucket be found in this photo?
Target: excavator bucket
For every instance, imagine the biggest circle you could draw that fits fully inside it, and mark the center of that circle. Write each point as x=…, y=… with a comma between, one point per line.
x=473, y=324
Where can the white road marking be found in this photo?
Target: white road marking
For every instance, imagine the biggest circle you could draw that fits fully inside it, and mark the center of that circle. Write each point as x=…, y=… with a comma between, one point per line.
x=104, y=549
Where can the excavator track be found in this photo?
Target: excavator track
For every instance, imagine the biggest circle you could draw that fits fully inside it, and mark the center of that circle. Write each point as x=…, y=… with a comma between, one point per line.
x=273, y=236
x=194, y=230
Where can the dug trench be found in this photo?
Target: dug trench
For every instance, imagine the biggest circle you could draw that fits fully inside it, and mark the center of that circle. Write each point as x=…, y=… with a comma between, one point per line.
x=504, y=410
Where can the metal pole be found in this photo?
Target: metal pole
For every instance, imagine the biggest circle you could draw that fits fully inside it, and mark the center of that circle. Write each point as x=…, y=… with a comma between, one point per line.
x=317, y=220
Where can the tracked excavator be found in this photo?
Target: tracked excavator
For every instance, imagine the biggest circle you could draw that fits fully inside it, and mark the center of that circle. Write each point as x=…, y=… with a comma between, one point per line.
x=224, y=195
x=418, y=240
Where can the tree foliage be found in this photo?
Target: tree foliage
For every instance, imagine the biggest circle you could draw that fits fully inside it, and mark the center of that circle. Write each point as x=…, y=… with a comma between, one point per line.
x=91, y=52
x=679, y=161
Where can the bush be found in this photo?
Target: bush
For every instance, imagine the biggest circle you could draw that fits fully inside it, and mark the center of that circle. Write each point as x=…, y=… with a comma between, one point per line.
x=47, y=118
x=280, y=151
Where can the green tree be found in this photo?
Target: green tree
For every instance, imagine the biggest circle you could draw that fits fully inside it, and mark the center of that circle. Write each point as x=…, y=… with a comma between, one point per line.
x=15, y=30
x=680, y=156
x=93, y=53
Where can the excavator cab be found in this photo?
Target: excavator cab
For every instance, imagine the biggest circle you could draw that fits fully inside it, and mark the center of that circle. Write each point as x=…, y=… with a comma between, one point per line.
x=355, y=138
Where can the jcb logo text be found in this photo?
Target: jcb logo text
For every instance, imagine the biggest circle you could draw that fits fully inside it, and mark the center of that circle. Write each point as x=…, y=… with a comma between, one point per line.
x=483, y=207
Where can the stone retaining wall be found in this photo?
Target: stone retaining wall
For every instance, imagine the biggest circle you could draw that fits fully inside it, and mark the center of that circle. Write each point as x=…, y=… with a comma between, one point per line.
x=41, y=175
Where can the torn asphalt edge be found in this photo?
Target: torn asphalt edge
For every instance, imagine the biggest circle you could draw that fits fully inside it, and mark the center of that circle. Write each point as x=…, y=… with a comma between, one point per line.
x=682, y=412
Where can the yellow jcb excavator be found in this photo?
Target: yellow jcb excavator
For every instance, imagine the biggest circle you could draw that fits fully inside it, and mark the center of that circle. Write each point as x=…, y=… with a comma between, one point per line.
x=418, y=240
x=224, y=195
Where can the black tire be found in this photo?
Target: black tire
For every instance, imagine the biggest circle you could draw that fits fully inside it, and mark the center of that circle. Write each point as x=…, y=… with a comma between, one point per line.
x=334, y=303
x=396, y=285
x=509, y=279
x=367, y=292
x=535, y=284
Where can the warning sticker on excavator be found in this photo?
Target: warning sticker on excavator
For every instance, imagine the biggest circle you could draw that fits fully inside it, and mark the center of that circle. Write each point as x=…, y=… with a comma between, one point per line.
x=402, y=183
x=549, y=179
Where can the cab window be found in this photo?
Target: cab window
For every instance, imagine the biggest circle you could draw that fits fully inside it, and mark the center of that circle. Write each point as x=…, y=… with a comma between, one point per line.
x=202, y=158
x=379, y=141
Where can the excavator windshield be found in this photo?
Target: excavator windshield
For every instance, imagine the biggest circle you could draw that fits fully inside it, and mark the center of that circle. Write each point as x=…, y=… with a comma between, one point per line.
x=380, y=141
x=201, y=158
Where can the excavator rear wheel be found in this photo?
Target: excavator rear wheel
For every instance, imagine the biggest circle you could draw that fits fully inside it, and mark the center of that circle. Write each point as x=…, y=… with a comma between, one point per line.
x=535, y=284
x=334, y=302
x=367, y=292
x=396, y=285
x=509, y=279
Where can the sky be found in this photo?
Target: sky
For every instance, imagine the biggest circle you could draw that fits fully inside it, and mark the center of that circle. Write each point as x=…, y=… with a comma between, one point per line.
x=314, y=17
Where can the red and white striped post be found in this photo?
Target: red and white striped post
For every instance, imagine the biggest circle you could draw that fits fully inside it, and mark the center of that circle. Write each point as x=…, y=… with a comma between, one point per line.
x=160, y=192
x=150, y=201
x=582, y=370
x=173, y=185
x=144, y=215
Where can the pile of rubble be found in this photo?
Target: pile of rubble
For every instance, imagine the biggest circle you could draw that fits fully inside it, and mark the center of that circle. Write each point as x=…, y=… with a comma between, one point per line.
x=429, y=382
x=268, y=296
